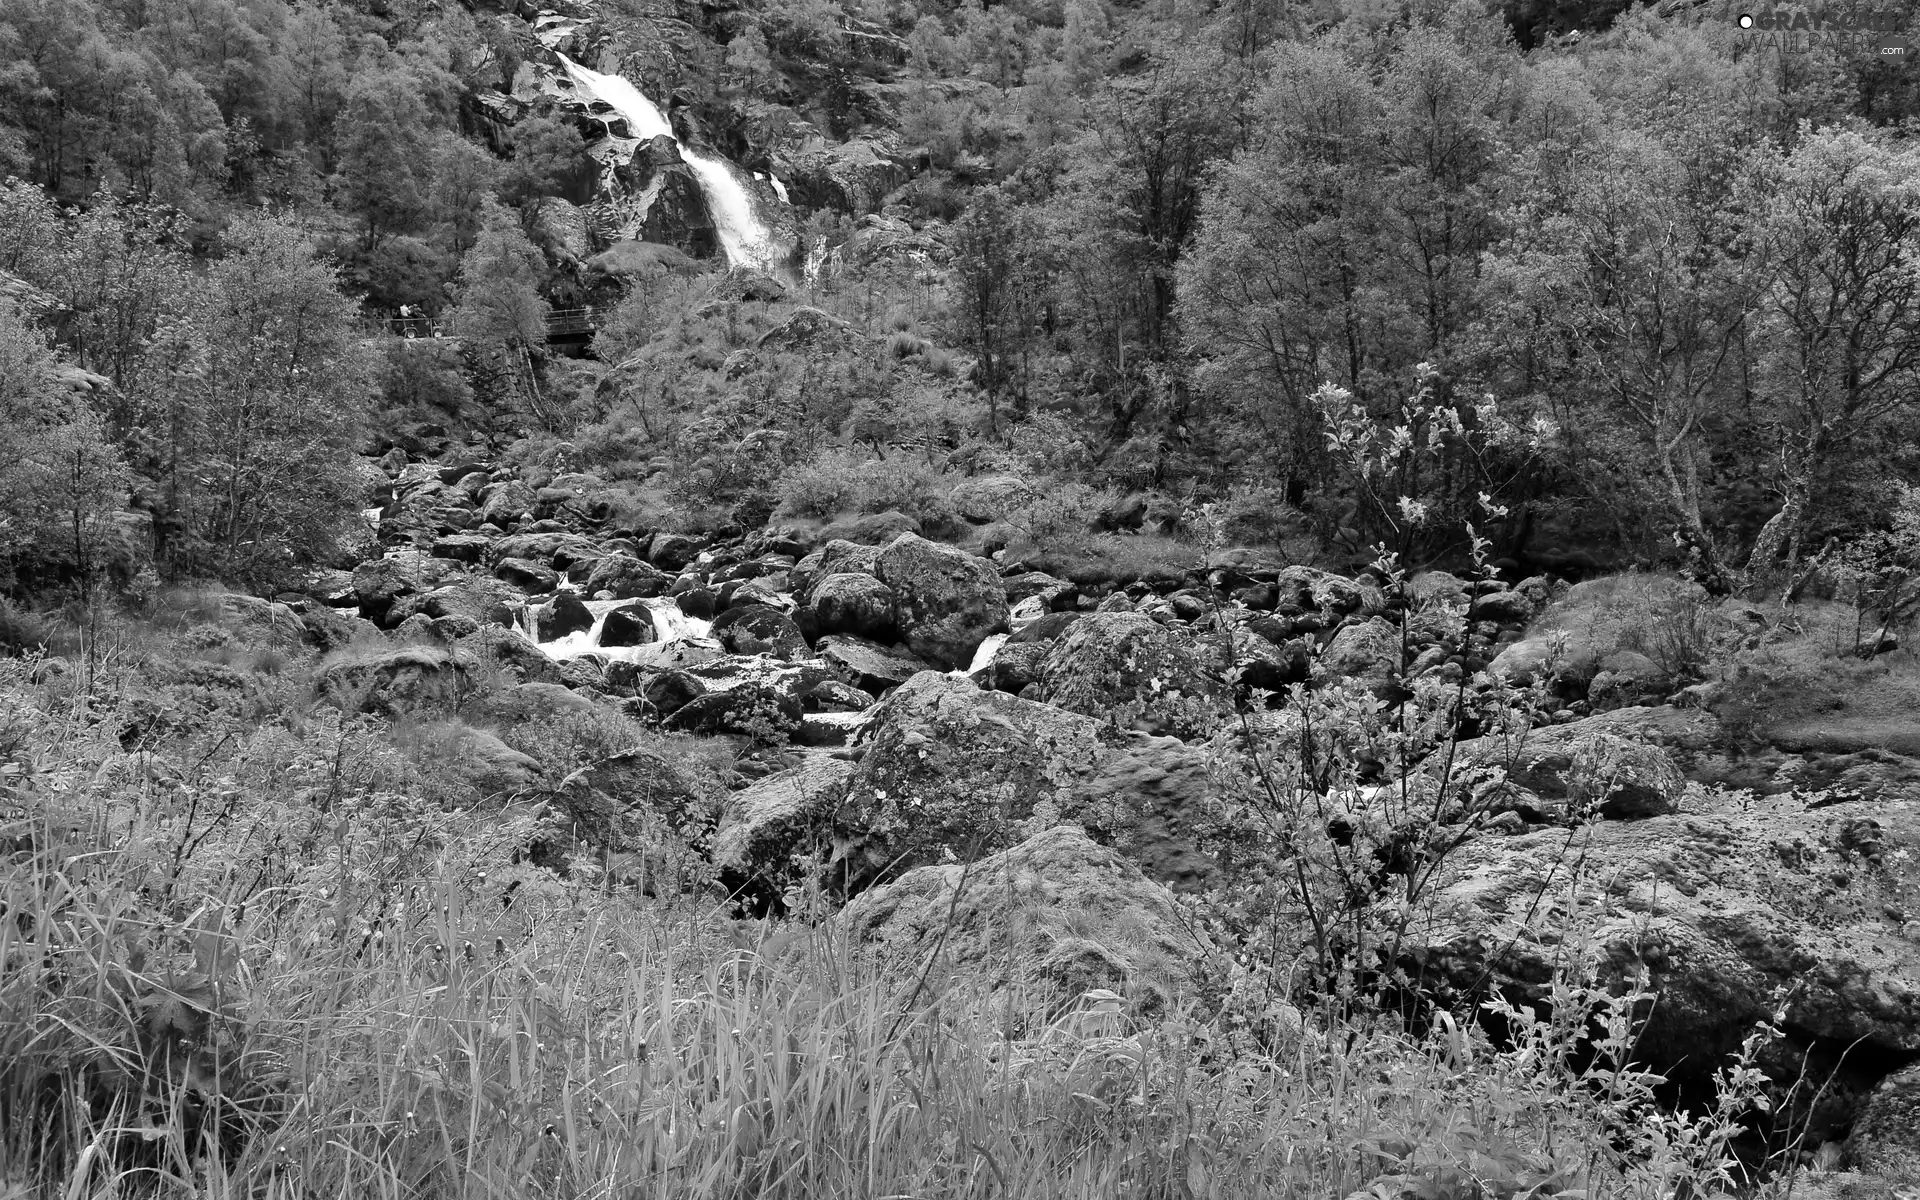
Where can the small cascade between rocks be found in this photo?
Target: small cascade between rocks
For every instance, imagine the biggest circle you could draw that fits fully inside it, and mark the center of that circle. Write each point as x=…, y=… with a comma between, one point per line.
x=983, y=657
x=669, y=624
x=746, y=238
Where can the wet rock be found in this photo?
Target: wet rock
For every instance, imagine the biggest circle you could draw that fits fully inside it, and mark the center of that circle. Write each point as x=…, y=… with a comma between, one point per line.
x=565, y=614
x=628, y=625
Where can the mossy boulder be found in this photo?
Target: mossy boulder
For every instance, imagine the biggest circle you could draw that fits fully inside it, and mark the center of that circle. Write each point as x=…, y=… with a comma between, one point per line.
x=946, y=601
x=1051, y=918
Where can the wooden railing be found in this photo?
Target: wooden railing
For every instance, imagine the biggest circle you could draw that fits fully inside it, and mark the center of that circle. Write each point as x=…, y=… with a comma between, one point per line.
x=561, y=322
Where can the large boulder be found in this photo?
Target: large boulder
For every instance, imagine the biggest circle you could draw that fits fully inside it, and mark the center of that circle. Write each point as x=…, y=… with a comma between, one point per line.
x=628, y=625
x=672, y=551
x=1128, y=668
x=838, y=557
x=377, y=584
x=948, y=769
x=988, y=498
x=758, y=629
x=1366, y=653
x=946, y=601
x=1737, y=907
x=407, y=679
x=505, y=502
x=1650, y=615
x=511, y=652
x=535, y=579
x=1569, y=771
x=555, y=548
x=627, y=578
x=1886, y=1137
x=754, y=709
x=643, y=784
x=565, y=614
x=490, y=765
x=854, y=603
x=769, y=820
x=868, y=665
x=1051, y=918
x=263, y=622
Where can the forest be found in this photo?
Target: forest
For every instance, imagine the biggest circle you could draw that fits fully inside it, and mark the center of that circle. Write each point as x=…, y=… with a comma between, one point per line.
x=1137, y=251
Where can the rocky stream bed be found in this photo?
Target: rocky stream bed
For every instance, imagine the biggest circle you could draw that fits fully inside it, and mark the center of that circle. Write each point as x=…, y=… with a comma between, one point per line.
x=913, y=690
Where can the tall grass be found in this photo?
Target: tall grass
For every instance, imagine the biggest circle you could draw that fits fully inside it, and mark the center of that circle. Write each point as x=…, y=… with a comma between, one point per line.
x=259, y=959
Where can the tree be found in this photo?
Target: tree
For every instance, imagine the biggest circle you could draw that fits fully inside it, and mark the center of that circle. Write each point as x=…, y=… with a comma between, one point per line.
x=1288, y=284
x=1649, y=294
x=1837, y=335
x=383, y=156
x=464, y=175
x=271, y=483
x=997, y=286
x=750, y=62
x=501, y=314
x=62, y=485
x=313, y=80
x=549, y=159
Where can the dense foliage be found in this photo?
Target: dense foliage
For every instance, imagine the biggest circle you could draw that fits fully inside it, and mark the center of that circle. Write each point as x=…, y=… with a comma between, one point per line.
x=1138, y=243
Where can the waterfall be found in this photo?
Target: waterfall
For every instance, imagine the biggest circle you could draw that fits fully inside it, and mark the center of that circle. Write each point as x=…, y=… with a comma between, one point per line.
x=743, y=235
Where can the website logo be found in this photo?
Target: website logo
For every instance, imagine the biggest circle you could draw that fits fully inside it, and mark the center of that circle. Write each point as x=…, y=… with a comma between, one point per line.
x=1881, y=32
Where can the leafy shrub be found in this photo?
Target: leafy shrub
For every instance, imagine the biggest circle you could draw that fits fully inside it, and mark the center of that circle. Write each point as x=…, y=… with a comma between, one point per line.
x=1058, y=521
x=21, y=631
x=823, y=487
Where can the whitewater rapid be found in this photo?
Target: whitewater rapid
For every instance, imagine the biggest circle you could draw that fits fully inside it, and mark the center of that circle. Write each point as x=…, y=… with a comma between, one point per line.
x=747, y=240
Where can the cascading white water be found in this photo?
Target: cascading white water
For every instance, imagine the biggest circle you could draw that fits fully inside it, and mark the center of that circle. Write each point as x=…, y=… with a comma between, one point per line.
x=743, y=235
x=669, y=625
